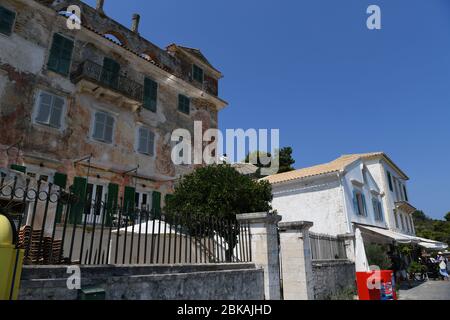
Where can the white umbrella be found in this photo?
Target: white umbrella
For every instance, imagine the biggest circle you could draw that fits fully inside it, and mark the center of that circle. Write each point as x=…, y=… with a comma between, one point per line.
x=361, y=263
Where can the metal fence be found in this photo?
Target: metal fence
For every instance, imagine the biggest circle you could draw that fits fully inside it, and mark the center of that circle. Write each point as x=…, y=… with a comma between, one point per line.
x=325, y=247
x=51, y=234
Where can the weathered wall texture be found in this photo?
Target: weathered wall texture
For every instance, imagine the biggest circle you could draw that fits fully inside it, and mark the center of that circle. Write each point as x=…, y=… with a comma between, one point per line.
x=23, y=73
x=187, y=282
x=331, y=277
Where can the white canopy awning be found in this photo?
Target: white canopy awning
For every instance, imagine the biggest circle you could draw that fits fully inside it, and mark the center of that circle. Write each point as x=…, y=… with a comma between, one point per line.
x=397, y=237
x=431, y=244
x=404, y=238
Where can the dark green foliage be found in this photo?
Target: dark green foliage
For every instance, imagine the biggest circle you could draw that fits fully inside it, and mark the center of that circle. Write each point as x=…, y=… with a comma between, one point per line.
x=426, y=227
x=217, y=193
x=286, y=160
x=447, y=217
x=377, y=256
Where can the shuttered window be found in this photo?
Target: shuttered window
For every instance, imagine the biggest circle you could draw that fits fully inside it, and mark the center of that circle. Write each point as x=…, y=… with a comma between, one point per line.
x=359, y=203
x=7, y=18
x=110, y=72
x=50, y=110
x=156, y=203
x=60, y=55
x=103, y=127
x=197, y=73
x=377, y=209
x=111, y=202
x=150, y=94
x=146, y=141
x=184, y=104
x=389, y=177
x=405, y=193
x=78, y=189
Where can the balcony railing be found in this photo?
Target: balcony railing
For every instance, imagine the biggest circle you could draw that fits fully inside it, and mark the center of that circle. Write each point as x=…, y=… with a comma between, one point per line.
x=94, y=72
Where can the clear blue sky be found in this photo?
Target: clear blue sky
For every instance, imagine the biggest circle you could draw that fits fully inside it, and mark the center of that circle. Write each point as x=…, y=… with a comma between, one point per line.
x=312, y=69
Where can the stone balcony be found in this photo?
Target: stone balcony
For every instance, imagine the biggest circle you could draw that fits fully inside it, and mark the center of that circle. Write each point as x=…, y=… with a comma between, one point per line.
x=93, y=78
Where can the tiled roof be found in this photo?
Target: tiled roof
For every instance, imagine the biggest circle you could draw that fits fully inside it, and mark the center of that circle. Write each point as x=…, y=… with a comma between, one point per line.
x=337, y=165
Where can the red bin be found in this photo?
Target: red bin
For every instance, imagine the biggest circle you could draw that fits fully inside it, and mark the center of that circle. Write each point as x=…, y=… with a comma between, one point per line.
x=376, y=285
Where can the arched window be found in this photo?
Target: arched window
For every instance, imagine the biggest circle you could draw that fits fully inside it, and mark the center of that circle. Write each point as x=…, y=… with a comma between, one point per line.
x=116, y=37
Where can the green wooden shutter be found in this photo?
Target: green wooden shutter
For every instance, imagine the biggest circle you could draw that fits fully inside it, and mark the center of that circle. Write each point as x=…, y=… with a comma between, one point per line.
x=60, y=54
x=197, y=73
x=78, y=190
x=6, y=21
x=156, y=203
x=18, y=168
x=60, y=180
x=184, y=104
x=150, y=94
x=111, y=202
x=128, y=200
x=110, y=73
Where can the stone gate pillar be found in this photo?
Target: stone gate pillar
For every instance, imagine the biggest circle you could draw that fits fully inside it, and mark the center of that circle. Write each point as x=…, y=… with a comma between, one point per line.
x=265, y=249
x=296, y=261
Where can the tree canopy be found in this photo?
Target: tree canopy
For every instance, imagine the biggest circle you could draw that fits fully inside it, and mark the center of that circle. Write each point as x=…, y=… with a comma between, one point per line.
x=429, y=228
x=219, y=191
x=285, y=159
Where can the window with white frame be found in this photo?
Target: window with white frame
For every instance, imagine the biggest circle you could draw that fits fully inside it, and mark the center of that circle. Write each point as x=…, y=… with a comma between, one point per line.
x=103, y=127
x=146, y=141
x=50, y=109
x=377, y=209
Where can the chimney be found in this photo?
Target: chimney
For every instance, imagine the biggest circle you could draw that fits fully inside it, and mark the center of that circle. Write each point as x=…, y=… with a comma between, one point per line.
x=99, y=7
x=135, y=25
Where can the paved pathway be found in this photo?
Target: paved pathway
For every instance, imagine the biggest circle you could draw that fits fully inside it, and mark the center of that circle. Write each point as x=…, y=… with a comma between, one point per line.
x=429, y=290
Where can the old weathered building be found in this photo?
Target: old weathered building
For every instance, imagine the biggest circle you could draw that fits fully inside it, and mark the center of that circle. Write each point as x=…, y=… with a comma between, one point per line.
x=101, y=91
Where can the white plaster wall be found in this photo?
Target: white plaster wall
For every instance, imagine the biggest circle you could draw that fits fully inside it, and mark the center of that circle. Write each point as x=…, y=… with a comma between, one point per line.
x=379, y=170
x=22, y=54
x=319, y=202
x=355, y=172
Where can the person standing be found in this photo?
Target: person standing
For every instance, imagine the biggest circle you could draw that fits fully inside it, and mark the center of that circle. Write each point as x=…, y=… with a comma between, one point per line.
x=443, y=266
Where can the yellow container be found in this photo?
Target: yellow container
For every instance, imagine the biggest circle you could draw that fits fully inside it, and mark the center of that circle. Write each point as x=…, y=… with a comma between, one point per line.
x=11, y=261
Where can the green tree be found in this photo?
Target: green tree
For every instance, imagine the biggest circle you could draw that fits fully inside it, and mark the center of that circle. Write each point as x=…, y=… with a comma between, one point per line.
x=286, y=160
x=426, y=227
x=447, y=217
x=218, y=192
x=377, y=256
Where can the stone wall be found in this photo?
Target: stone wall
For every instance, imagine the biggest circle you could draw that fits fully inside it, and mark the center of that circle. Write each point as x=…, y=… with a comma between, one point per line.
x=159, y=282
x=331, y=277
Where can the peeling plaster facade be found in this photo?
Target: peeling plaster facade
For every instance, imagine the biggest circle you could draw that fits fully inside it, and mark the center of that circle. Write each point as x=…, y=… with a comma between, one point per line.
x=24, y=73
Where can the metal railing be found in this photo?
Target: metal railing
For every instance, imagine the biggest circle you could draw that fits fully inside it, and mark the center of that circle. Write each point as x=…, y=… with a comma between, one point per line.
x=55, y=228
x=94, y=72
x=325, y=247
